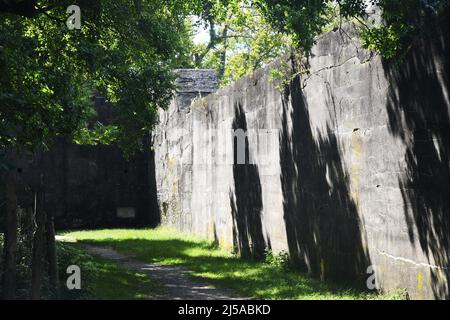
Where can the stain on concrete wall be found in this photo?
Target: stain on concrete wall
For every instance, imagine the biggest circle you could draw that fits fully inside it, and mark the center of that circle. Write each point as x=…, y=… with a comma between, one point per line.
x=347, y=166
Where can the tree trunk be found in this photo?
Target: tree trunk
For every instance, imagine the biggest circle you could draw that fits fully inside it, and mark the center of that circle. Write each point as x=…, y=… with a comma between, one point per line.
x=38, y=266
x=52, y=258
x=223, y=54
x=29, y=227
x=9, y=274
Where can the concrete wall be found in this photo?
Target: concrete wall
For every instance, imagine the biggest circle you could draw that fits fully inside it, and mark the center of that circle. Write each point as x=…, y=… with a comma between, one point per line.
x=348, y=164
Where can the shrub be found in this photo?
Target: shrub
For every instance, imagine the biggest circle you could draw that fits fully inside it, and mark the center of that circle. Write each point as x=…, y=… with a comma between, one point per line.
x=279, y=260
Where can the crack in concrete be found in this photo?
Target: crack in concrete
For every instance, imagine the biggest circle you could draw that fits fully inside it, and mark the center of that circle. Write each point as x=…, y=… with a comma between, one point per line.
x=316, y=72
x=419, y=264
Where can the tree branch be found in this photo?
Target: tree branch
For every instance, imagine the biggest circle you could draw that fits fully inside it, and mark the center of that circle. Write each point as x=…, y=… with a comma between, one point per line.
x=53, y=18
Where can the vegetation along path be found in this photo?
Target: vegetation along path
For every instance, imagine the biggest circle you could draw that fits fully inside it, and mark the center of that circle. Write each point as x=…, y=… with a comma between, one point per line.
x=189, y=267
x=176, y=283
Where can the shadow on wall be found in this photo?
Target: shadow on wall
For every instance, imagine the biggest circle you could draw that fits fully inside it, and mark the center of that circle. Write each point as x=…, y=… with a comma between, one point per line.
x=418, y=109
x=154, y=209
x=322, y=224
x=246, y=200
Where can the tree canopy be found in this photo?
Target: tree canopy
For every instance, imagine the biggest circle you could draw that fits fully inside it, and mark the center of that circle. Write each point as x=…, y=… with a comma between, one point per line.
x=388, y=29
x=125, y=51
x=247, y=34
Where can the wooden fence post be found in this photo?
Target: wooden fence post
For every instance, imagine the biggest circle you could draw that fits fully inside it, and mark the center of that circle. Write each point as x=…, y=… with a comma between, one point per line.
x=52, y=258
x=10, y=248
x=38, y=258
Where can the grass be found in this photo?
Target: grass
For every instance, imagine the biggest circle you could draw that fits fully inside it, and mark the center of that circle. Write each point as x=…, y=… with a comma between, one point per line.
x=219, y=267
x=100, y=278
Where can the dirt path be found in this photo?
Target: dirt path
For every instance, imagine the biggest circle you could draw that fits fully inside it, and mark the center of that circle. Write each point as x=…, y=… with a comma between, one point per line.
x=176, y=282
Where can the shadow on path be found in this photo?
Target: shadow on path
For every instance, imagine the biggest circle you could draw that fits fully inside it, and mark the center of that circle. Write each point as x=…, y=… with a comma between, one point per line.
x=176, y=282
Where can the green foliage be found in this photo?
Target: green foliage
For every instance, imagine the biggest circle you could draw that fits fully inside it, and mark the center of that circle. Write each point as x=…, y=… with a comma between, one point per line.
x=279, y=260
x=281, y=74
x=383, y=40
x=241, y=40
x=125, y=51
x=400, y=20
x=23, y=270
x=97, y=135
x=259, y=45
x=23, y=263
x=248, y=34
x=397, y=294
x=305, y=19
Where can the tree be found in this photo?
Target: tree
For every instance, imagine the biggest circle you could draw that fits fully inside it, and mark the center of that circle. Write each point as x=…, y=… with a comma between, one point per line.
x=401, y=20
x=248, y=34
x=9, y=273
x=124, y=50
x=241, y=40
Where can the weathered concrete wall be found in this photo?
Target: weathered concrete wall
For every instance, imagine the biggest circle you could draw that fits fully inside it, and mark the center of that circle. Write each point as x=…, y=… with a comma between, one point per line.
x=348, y=166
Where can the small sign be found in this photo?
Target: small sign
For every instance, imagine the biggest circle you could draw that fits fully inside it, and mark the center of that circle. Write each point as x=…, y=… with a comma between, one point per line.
x=126, y=213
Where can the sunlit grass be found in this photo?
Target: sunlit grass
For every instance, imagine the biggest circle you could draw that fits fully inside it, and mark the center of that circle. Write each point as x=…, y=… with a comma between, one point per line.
x=102, y=279
x=218, y=266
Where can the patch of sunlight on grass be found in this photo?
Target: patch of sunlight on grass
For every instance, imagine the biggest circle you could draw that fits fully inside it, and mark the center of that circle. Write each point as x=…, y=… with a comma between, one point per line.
x=218, y=266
